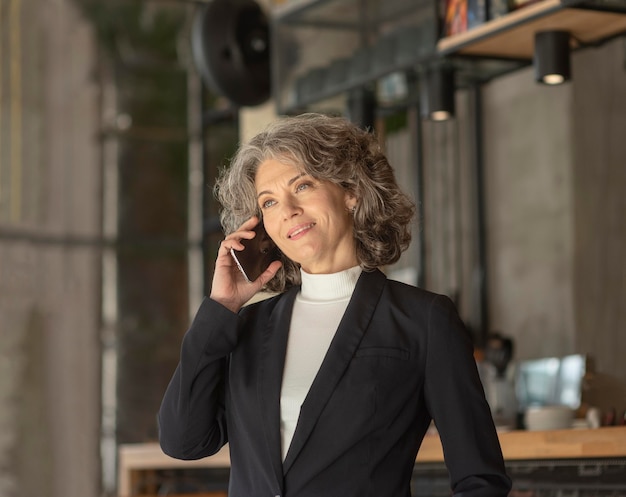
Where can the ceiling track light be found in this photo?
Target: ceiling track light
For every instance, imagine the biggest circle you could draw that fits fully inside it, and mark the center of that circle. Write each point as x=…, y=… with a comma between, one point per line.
x=552, y=57
x=437, y=87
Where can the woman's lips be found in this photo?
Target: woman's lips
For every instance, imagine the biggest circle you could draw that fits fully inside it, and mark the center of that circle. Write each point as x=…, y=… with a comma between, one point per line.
x=299, y=230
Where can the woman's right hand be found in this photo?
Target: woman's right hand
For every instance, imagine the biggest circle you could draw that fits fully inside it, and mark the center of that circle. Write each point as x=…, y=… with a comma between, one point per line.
x=229, y=286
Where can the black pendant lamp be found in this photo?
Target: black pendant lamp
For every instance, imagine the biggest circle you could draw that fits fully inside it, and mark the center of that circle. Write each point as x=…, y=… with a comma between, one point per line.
x=552, y=57
x=437, y=93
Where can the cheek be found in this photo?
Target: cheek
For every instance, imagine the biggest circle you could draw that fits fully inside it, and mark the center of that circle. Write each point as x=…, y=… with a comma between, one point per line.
x=271, y=228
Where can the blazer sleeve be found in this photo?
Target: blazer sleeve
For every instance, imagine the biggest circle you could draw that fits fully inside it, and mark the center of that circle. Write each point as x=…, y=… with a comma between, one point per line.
x=456, y=401
x=192, y=418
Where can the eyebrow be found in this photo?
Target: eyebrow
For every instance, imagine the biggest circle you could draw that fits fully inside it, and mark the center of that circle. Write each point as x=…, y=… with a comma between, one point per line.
x=289, y=183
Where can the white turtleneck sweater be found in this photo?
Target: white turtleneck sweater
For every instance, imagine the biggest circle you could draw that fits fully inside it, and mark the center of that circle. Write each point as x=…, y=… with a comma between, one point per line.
x=317, y=311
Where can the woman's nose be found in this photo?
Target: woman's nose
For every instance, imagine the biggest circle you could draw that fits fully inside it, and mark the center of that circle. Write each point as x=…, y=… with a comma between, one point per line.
x=291, y=208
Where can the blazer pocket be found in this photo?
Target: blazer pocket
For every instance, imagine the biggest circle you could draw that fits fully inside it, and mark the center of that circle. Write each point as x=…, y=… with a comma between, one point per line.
x=389, y=352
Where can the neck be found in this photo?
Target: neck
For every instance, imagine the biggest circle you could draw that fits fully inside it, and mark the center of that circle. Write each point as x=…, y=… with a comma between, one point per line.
x=329, y=287
x=331, y=267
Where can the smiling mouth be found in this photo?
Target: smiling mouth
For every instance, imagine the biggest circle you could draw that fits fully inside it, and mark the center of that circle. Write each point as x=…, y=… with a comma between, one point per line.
x=299, y=230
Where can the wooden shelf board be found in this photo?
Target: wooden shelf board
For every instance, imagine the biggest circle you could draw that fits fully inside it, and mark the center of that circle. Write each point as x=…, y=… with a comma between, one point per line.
x=512, y=36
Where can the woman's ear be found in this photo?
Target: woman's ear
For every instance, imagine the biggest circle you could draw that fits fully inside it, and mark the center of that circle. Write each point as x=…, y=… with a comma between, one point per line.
x=351, y=201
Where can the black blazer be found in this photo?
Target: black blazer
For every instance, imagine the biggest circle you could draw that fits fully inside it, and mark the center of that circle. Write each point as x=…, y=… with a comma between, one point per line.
x=400, y=357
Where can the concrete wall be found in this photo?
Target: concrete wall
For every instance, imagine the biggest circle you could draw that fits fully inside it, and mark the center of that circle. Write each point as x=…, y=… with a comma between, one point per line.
x=49, y=273
x=556, y=197
x=529, y=202
x=599, y=185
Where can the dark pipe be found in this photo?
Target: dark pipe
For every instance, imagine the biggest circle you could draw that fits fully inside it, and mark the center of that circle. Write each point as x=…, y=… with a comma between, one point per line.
x=483, y=315
x=419, y=190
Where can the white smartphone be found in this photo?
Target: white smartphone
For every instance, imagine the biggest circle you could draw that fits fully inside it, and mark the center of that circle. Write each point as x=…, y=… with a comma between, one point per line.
x=257, y=255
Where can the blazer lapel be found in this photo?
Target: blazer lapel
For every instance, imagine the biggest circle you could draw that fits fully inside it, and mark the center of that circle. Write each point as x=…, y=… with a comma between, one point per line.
x=270, y=377
x=342, y=348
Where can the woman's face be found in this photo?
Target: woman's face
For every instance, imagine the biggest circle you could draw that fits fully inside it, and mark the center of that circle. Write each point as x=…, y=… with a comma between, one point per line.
x=308, y=219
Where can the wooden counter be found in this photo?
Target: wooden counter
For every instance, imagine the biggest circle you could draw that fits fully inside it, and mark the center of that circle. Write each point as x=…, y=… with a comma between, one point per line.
x=559, y=444
x=135, y=459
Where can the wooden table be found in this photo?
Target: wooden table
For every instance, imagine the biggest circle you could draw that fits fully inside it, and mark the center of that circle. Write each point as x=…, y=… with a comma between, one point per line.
x=137, y=459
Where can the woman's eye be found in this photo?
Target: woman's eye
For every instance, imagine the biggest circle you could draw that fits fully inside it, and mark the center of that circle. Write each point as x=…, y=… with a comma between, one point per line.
x=267, y=203
x=302, y=186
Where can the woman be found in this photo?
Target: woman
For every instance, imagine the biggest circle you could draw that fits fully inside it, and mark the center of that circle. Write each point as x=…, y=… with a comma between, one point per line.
x=328, y=388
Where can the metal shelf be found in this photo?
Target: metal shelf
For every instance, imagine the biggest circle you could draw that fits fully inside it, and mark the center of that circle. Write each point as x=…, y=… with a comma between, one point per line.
x=328, y=47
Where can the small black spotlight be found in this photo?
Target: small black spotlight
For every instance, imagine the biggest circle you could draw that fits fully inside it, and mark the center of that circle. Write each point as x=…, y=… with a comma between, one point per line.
x=437, y=93
x=552, y=57
x=362, y=108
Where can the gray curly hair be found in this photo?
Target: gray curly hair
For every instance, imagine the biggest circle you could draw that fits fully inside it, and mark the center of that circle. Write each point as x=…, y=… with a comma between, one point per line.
x=330, y=149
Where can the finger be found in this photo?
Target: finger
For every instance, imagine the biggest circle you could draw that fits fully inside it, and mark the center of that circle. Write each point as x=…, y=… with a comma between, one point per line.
x=224, y=256
x=225, y=245
x=245, y=231
x=268, y=274
x=250, y=224
x=246, y=227
x=234, y=240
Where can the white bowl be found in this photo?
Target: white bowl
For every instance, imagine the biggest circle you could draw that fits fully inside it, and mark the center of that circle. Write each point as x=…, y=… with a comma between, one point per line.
x=548, y=418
